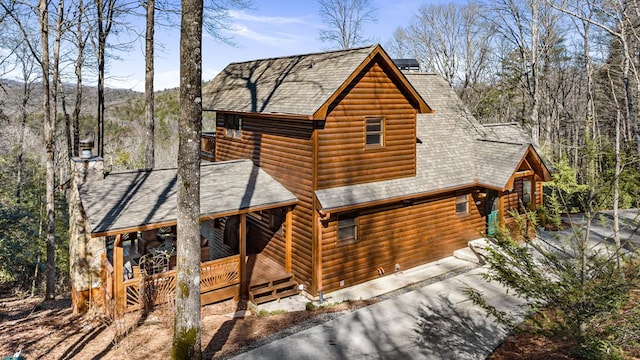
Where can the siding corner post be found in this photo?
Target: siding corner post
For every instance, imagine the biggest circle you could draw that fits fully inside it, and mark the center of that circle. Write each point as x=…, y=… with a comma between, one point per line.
x=243, y=257
x=288, y=240
x=501, y=209
x=317, y=254
x=118, y=278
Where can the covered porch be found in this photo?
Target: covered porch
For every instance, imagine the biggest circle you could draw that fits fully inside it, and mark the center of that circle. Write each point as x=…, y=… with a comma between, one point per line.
x=522, y=192
x=138, y=265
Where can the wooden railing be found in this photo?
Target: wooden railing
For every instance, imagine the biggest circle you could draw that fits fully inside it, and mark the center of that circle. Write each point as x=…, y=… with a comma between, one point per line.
x=160, y=288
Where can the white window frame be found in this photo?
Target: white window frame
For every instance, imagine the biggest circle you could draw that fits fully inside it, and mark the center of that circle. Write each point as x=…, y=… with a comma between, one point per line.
x=373, y=121
x=462, y=199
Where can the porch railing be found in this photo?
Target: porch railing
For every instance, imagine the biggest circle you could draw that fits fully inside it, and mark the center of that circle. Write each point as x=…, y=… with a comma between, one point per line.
x=160, y=288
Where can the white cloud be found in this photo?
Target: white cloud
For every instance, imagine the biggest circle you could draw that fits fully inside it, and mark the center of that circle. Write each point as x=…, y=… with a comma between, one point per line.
x=280, y=20
x=278, y=39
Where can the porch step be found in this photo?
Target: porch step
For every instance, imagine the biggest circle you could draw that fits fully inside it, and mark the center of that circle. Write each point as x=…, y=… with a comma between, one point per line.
x=273, y=290
x=466, y=254
x=479, y=247
x=474, y=253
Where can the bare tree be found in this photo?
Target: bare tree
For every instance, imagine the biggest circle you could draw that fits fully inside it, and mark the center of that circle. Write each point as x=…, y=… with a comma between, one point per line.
x=105, y=12
x=149, y=157
x=344, y=20
x=187, y=332
x=400, y=45
x=49, y=142
x=453, y=41
x=619, y=22
x=81, y=36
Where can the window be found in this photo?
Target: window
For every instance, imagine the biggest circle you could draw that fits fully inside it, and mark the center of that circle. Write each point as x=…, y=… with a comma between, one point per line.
x=348, y=228
x=526, y=193
x=374, y=128
x=233, y=125
x=462, y=204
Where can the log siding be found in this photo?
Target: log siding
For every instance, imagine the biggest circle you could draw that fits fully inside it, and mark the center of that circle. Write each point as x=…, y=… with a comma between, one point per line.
x=284, y=149
x=403, y=234
x=343, y=157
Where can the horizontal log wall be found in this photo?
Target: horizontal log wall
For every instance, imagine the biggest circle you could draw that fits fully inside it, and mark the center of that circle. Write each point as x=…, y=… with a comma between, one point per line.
x=264, y=239
x=342, y=156
x=406, y=235
x=284, y=149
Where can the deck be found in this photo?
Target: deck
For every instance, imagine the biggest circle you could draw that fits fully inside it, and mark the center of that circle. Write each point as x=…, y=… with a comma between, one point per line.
x=266, y=279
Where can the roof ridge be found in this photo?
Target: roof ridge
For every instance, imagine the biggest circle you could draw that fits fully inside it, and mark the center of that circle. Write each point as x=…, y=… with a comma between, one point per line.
x=304, y=55
x=503, y=141
x=512, y=123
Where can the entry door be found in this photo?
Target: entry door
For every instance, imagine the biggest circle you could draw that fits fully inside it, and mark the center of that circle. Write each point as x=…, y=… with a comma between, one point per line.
x=492, y=212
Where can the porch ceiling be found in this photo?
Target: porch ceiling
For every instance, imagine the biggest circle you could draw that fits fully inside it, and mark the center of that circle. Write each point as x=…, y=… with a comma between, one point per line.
x=128, y=201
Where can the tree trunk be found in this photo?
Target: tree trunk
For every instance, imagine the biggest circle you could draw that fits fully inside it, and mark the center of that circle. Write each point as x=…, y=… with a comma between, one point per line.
x=535, y=87
x=105, y=20
x=49, y=128
x=149, y=157
x=187, y=332
x=81, y=41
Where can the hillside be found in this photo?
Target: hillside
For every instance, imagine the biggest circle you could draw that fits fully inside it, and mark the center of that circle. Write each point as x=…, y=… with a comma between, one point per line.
x=124, y=122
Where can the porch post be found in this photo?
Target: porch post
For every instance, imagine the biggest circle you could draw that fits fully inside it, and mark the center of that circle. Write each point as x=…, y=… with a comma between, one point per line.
x=288, y=240
x=501, y=209
x=533, y=192
x=243, y=256
x=118, y=278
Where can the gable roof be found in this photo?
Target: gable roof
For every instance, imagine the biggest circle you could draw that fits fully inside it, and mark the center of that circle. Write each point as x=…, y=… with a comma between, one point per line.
x=454, y=151
x=301, y=85
x=131, y=200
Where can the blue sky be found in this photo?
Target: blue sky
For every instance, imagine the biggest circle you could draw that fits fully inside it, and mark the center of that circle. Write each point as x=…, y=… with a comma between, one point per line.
x=274, y=28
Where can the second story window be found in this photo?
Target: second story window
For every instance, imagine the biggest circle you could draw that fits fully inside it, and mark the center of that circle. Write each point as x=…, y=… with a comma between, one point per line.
x=374, y=132
x=233, y=125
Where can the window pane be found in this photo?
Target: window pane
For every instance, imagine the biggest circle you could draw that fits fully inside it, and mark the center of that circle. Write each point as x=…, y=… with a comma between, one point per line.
x=373, y=139
x=462, y=204
x=347, y=233
x=347, y=227
x=374, y=131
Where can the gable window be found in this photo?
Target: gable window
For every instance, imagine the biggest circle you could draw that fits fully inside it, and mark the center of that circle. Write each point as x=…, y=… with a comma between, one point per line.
x=347, y=228
x=233, y=125
x=374, y=129
x=462, y=204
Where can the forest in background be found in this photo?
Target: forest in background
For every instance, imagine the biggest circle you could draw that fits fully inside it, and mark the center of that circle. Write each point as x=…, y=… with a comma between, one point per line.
x=567, y=71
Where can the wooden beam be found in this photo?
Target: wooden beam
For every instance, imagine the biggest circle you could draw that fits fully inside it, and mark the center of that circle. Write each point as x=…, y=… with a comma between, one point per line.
x=118, y=278
x=243, y=257
x=288, y=244
x=501, y=209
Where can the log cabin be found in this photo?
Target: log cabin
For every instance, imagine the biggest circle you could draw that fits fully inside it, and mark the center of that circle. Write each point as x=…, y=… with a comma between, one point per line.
x=325, y=170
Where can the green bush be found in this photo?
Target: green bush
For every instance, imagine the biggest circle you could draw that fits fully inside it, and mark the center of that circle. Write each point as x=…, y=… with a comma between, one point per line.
x=584, y=290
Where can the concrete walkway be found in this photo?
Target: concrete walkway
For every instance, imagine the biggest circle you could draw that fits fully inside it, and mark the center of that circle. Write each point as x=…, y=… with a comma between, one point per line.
x=435, y=321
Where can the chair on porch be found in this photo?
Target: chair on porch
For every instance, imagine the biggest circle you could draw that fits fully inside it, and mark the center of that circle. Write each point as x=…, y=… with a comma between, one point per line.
x=156, y=261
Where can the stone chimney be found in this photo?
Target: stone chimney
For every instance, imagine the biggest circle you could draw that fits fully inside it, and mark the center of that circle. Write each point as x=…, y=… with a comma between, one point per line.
x=85, y=252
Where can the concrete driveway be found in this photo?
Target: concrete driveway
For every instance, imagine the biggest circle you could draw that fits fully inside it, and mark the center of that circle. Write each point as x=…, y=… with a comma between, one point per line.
x=432, y=322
